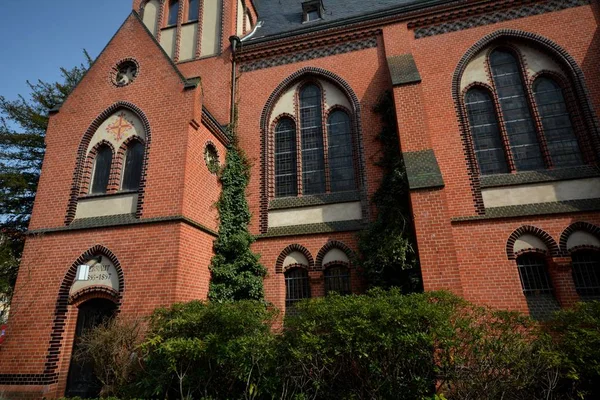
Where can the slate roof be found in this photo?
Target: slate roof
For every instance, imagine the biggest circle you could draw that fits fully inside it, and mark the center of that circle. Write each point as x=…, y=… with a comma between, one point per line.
x=282, y=17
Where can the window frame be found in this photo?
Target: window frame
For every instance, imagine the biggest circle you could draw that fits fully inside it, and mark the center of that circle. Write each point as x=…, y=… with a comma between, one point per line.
x=327, y=278
x=540, y=261
x=93, y=165
x=131, y=141
x=594, y=291
x=169, y=5
x=305, y=286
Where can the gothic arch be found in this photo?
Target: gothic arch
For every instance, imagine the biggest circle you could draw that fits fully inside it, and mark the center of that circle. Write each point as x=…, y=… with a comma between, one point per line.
x=308, y=73
x=539, y=233
x=79, y=172
x=333, y=244
x=62, y=303
x=289, y=249
x=576, y=226
x=555, y=51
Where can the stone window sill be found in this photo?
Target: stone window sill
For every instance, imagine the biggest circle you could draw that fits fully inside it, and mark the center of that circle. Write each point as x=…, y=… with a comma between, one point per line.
x=548, y=175
x=313, y=200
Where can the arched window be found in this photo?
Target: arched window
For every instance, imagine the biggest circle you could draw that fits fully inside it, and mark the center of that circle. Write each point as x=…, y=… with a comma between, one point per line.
x=173, y=12
x=534, y=274
x=339, y=146
x=133, y=166
x=586, y=273
x=313, y=165
x=101, y=171
x=337, y=279
x=297, y=287
x=558, y=130
x=520, y=127
x=485, y=132
x=286, y=183
x=193, y=10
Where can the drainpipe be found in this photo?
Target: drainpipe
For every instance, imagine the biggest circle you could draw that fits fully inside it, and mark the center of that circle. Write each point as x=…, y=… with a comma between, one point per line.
x=235, y=42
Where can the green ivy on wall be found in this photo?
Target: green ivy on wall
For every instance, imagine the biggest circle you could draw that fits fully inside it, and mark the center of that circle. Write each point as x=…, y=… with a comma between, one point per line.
x=387, y=247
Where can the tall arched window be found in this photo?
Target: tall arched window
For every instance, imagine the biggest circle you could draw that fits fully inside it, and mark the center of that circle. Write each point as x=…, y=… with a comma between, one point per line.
x=286, y=183
x=313, y=165
x=520, y=127
x=297, y=287
x=101, y=171
x=485, y=132
x=337, y=279
x=133, y=166
x=586, y=274
x=558, y=130
x=173, y=12
x=193, y=10
x=339, y=145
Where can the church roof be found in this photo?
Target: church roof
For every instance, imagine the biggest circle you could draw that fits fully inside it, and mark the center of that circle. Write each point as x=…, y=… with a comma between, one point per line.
x=284, y=17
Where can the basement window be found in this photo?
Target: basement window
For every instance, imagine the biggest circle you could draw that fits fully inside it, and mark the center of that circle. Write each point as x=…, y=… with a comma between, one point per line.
x=312, y=11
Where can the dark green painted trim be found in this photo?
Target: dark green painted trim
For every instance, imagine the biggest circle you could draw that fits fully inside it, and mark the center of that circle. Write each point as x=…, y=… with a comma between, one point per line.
x=422, y=170
x=112, y=221
x=308, y=229
x=526, y=210
x=403, y=69
x=550, y=175
x=313, y=200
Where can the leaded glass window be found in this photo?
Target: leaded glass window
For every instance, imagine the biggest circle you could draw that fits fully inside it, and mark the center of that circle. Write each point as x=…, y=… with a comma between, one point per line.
x=337, y=279
x=285, y=159
x=133, y=166
x=339, y=142
x=193, y=10
x=101, y=172
x=485, y=131
x=558, y=130
x=297, y=287
x=173, y=12
x=586, y=273
x=520, y=127
x=534, y=274
x=313, y=165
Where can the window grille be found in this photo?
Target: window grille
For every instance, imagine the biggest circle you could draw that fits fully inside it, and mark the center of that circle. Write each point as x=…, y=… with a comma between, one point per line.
x=193, y=10
x=341, y=163
x=313, y=166
x=337, y=279
x=485, y=131
x=520, y=128
x=297, y=288
x=101, y=173
x=558, y=131
x=173, y=12
x=586, y=272
x=133, y=166
x=534, y=274
x=286, y=183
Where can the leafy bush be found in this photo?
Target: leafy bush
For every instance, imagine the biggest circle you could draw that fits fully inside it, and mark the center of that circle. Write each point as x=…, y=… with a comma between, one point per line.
x=201, y=350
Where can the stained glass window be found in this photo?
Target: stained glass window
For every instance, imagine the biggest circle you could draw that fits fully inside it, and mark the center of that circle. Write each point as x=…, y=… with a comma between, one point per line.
x=286, y=183
x=101, y=173
x=313, y=165
x=133, y=166
x=339, y=141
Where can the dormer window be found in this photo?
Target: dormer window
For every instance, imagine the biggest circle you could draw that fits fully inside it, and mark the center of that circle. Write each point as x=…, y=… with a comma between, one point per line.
x=312, y=10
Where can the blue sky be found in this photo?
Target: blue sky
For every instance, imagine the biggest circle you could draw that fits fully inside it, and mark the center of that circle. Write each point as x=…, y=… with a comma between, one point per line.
x=37, y=37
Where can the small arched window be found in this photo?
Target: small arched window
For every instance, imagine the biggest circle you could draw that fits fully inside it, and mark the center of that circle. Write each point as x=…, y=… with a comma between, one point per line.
x=297, y=287
x=340, y=154
x=101, y=170
x=534, y=274
x=337, y=279
x=313, y=165
x=520, y=127
x=193, y=10
x=558, y=130
x=133, y=166
x=485, y=132
x=286, y=183
x=586, y=274
x=173, y=12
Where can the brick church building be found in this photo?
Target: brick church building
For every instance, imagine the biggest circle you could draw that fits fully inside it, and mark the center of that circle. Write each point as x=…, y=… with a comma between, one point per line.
x=497, y=106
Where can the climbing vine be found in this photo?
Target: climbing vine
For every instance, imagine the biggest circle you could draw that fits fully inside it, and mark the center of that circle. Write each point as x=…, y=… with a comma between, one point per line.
x=387, y=247
x=236, y=271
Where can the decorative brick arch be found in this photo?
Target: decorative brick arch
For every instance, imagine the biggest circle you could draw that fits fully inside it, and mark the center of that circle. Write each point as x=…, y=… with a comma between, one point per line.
x=577, y=226
x=287, y=251
x=333, y=244
x=80, y=170
x=532, y=230
x=560, y=55
x=308, y=73
x=64, y=299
